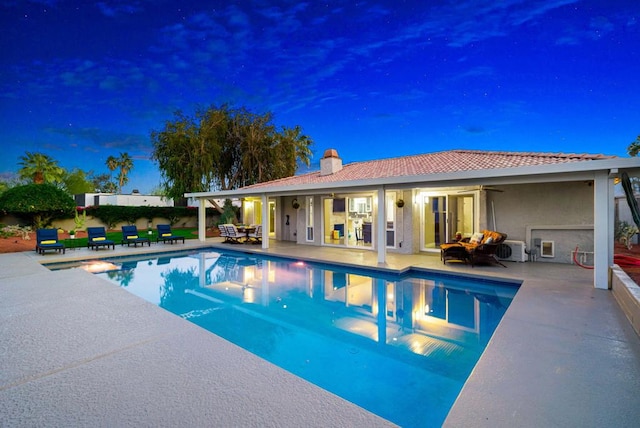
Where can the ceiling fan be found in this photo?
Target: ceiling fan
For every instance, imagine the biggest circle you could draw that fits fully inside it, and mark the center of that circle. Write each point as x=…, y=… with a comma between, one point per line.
x=483, y=187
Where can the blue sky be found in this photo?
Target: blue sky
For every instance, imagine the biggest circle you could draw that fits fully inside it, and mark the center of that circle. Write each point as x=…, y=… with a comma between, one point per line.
x=81, y=81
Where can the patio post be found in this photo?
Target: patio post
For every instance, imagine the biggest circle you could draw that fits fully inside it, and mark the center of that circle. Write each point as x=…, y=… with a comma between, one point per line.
x=381, y=229
x=265, y=221
x=202, y=220
x=602, y=229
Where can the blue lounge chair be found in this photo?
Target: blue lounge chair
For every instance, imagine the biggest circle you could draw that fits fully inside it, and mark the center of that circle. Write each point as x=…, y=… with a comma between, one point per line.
x=98, y=238
x=165, y=234
x=47, y=239
x=130, y=236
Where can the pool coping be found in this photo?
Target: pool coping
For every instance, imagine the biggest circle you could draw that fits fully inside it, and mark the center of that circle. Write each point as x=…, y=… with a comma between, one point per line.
x=555, y=359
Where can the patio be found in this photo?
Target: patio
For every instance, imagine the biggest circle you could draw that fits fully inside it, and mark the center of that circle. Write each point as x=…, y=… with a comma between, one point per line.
x=564, y=354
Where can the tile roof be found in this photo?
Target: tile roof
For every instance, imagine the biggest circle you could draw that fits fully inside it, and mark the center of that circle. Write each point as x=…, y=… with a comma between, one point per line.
x=431, y=163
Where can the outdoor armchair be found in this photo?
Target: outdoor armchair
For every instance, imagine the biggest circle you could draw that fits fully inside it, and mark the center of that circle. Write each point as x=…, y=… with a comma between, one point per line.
x=256, y=236
x=47, y=239
x=97, y=237
x=223, y=232
x=233, y=234
x=480, y=248
x=130, y=236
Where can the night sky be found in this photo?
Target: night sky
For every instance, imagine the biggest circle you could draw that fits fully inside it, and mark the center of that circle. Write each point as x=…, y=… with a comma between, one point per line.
x=83, y=80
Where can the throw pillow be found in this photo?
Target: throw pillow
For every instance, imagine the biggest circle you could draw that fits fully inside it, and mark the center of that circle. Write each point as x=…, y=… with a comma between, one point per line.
x=476, y=238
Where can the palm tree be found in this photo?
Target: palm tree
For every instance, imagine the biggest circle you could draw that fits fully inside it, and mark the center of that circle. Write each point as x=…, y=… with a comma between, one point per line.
x=634, y=148
x=293, y=147
x=125, y=163
x=40, y=168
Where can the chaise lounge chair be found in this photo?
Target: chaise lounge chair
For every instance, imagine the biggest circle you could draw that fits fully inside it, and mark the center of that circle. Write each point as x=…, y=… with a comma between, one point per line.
x=47, y=239
x=480, y=248
x=165, y=234
x=130, y=236
x=98, y=238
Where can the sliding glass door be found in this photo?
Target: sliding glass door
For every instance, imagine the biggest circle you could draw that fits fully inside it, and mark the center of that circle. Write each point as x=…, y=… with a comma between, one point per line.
x=442, y=215
x=348, y=221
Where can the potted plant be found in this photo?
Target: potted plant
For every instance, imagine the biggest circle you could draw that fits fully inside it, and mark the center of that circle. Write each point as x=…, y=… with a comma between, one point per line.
x=72, y=234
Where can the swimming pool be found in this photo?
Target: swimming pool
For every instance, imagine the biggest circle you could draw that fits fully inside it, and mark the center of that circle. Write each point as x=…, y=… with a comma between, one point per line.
x=400, y=346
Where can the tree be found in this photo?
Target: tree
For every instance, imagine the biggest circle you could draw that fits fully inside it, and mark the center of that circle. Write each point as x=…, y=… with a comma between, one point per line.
x=76, y=182
x=634, y=148
x=112, y=163
x=223, y=148
x=37, y=203
x=39, y=168
x=103, y=183
x=294, y=147
x=125, y=164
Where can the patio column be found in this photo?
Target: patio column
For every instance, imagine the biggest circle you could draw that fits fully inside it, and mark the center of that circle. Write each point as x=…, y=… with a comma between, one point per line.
x=265, y=221
x=202, y=220
x=602, y=229
x=381, y=229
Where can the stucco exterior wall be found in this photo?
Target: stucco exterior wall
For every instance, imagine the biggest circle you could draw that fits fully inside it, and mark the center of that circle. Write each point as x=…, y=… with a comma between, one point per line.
x=407, y=233
x=568, y=207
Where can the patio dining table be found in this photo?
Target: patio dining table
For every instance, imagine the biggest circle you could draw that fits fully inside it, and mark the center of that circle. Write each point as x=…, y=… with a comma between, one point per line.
x=246, y=230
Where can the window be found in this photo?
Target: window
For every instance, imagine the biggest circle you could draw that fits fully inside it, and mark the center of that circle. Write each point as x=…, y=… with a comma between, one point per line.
x=310, y=218
x=391, y=219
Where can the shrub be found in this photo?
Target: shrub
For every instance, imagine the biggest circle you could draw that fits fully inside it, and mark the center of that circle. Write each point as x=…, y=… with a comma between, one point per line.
x=39, y=204
x=111, y=215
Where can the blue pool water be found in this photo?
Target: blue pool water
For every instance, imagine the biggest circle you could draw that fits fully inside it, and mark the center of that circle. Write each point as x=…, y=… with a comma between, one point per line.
x=400, y=346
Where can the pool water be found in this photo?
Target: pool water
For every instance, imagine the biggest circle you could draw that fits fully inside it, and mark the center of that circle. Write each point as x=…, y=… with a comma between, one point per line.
x=400, y=346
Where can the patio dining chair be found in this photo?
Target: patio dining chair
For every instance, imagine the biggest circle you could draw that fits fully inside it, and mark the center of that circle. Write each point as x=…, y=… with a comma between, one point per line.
x=233, y=234
x=256, y=236
x=223, y=232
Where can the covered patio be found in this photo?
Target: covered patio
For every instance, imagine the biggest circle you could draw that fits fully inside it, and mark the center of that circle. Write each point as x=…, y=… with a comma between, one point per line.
x=582, y=211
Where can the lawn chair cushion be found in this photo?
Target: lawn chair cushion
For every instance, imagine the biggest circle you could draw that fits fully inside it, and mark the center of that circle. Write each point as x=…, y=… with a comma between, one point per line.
x=476, y=238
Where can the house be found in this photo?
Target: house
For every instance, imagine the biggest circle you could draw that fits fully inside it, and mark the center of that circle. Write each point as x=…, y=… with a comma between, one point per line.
x=135, y=199
x=548, y=203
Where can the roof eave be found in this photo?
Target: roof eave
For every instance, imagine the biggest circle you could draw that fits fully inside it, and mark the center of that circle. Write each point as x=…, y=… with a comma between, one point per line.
x=581, y=170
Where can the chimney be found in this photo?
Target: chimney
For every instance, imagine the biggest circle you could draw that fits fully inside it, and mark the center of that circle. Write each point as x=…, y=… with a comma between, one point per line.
x=330, y=162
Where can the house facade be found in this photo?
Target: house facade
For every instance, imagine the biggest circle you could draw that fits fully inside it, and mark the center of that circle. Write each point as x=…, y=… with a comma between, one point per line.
x=135, y=199
x=548, y=204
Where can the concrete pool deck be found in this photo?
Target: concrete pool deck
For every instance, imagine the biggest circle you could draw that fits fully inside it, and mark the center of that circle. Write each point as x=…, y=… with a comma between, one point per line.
x=73, y=355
